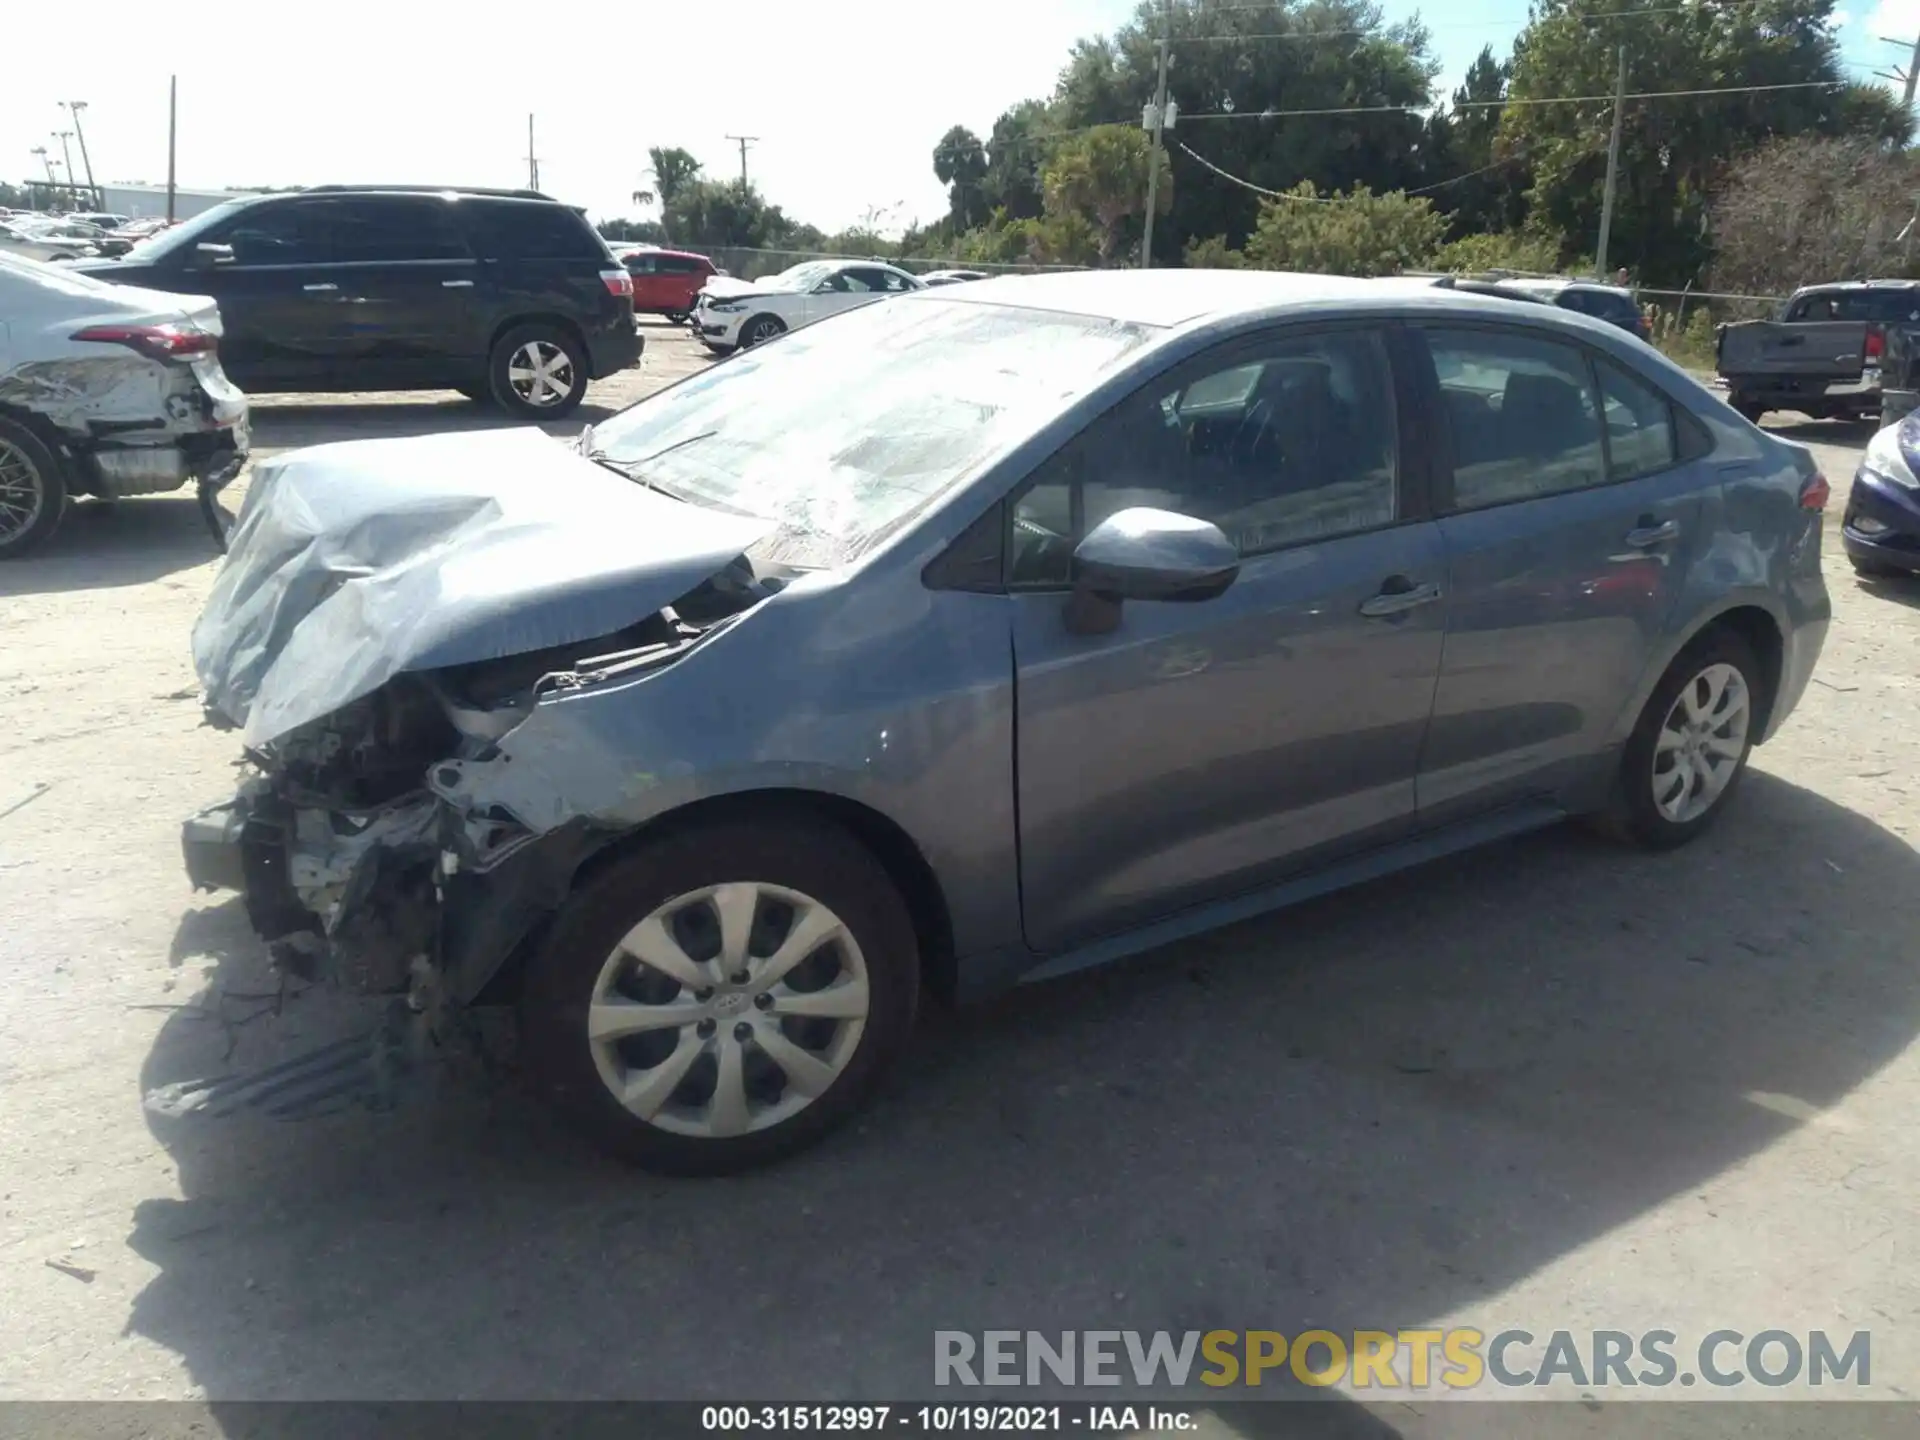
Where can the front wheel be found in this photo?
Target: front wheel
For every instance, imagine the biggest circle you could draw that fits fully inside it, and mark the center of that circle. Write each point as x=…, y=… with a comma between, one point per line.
x=723, y=997
x=1688, y=751
x=676, y=317
x=538, y=372
x=33, y=490
x=761, y=329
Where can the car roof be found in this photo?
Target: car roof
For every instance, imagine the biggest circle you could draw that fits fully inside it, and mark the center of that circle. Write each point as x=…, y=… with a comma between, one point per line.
x=1163, y=298
x=1831, y=287
x=661, y=250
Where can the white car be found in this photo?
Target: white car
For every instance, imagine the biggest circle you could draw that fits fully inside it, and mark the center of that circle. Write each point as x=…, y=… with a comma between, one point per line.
x=110, y=391
x=41, y=242
x=732, y=314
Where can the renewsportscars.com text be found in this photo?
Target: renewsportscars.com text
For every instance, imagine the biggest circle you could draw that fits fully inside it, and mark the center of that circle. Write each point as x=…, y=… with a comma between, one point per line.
x=1455, y=1359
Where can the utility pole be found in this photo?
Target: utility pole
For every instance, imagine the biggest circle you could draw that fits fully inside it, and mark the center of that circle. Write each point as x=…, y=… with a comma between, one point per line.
x=533, y=162
x=73, y=108
x=744, y=141
x=1908, y=76
x=1157, y=118
x=46, y=160
x=66, y=154
x=1613, y=166
x=173, y=115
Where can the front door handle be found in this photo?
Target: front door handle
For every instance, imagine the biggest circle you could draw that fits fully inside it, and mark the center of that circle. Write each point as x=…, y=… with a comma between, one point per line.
x=1646, y=536
x=456, y=284
x=316, y=289
x=1397, y=597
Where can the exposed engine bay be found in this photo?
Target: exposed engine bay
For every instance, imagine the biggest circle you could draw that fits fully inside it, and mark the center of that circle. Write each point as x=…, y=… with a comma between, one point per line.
x=344, y=854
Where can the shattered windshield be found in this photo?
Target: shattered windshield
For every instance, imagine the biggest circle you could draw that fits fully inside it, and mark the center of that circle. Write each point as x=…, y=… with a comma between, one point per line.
x=840, y=431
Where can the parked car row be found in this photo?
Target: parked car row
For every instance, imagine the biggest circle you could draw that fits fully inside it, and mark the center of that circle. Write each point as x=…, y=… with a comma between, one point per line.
x=735, y=314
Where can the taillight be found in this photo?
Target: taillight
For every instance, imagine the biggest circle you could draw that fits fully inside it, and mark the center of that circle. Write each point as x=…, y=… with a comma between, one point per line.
x=158, y=342
x=1815, y=493
x=618, y=282
x=1876, y=344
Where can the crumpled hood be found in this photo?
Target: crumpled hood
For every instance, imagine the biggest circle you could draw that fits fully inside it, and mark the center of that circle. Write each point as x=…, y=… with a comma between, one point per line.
x=352, y=563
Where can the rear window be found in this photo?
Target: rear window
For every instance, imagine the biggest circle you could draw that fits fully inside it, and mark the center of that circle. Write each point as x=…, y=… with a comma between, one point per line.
x=1877, y=306
x=530, y=230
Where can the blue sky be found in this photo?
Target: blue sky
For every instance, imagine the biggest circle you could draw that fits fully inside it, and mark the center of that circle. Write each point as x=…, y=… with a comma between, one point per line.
x=846, y=98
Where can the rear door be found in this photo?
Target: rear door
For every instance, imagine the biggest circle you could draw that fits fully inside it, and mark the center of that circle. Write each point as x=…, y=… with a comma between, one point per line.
x=1570, y=498
x=650, y=286
x=1202, y=750
x=405, y=293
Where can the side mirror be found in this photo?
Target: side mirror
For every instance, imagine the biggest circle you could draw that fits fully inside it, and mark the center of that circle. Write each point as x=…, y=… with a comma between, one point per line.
x=1146, y=554
x=206, y=254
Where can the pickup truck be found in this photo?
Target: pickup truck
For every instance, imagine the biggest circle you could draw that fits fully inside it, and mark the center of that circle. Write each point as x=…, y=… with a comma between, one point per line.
x=1822, y=356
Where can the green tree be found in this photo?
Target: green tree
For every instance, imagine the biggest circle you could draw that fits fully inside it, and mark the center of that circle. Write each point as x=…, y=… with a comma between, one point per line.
x=1503, y=250
x=1481, y=184
x=1808, y=209
x=1351, y=233
x=1245, y=57
x=672, y=169
x=714, y=212
x=1672, y=151
x=1101, y=175
x=960, y=163
x=1017, y=151
x=1214, y=253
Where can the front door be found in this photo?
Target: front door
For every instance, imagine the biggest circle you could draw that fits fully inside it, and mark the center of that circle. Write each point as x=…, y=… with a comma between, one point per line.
x=1205, y=749
x=1573, y=508
x=275, y=294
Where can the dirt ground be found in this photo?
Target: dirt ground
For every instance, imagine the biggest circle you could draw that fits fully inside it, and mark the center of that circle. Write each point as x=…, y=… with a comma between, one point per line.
x=1553, y=1084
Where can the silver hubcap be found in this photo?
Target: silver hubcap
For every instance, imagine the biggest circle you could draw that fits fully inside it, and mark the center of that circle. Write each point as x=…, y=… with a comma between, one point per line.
x=21, y=493
x=728, y=1010
x=763, y=332
x=540, y=373
x=1701, y=742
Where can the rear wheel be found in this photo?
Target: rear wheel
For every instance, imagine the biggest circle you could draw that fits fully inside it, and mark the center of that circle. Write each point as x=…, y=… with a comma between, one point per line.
x=723, y=997
x=33, y=490
x=1687, y=753
x=538, y=371
x=1750, y=409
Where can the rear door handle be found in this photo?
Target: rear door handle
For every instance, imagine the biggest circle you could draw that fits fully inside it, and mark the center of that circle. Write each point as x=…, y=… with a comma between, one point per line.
x=315, y=289
x=1645, y=537
x=1397, y=599
x=456, y=284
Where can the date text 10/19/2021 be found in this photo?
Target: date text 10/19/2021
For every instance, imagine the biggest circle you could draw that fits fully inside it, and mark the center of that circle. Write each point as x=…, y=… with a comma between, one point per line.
x=947, y=1419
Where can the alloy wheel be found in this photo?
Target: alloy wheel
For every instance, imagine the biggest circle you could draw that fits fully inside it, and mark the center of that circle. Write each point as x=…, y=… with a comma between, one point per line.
x=1701, y=743
x=22, y=492
x=541, y=373
x=763, y=331
x=728, y=1010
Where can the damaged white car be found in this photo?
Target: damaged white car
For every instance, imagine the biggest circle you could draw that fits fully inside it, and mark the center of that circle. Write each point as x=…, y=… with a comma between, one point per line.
x=106, y=391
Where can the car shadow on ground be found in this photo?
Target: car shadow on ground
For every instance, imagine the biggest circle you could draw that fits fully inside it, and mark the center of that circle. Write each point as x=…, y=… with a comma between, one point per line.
x=1366, y=1112
x=1824, y=432
x=1899, y=589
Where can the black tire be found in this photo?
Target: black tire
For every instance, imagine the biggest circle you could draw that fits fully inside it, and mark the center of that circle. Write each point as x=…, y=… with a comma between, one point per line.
x=554, y=343
x=760, y=329
x=799, y=854
x=34, y=498
x=1633, y=814
x=676, y=317
x=1749, y=410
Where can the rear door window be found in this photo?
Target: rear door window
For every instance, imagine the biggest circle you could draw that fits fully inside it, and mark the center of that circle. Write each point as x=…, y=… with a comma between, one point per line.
x=1523, y=415
x=395, y=228
x=1640, y=438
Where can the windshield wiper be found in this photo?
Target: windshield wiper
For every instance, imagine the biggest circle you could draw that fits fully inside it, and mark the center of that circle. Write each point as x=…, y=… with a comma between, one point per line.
x=629, y=469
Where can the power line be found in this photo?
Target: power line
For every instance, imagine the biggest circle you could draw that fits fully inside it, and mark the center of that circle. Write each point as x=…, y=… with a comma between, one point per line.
x=1511, y=100
x=1380, y=31
x=1248, y=184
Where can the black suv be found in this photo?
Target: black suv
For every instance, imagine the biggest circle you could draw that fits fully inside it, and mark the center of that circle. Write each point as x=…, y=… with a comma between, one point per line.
x=505, y=295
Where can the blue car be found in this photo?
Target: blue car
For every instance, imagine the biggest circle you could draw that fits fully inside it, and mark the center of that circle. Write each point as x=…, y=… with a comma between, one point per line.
x=996, y=632
x=1881, y=528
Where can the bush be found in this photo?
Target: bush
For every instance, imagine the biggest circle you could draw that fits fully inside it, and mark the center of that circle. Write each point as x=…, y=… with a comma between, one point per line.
x=1213, y=253
x=1506, y=250
x=1354, y=232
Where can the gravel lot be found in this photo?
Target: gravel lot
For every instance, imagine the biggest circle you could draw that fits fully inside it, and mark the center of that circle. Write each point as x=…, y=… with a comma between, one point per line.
x=1553, y=1084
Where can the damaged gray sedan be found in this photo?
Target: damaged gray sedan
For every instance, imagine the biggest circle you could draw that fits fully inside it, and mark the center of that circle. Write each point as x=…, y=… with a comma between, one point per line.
x=979, y=637
x=106, y=391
